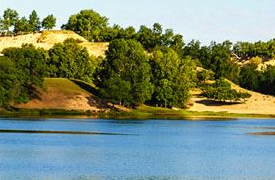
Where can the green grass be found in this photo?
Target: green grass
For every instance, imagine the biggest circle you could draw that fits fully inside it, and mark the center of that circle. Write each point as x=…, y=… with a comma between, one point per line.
x=143, y=112
x=64, y=85
x=148, y=112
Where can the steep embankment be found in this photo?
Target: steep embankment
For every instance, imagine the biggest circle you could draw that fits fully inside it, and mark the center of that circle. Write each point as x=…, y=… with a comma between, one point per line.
x=61, y=93
x=47, y=39
x=257, y=104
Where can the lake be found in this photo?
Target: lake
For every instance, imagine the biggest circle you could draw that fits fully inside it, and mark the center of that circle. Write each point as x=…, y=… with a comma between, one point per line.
x=84, y=149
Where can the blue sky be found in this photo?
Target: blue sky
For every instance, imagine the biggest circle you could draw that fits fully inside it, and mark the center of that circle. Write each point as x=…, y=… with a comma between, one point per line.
x=204, y=20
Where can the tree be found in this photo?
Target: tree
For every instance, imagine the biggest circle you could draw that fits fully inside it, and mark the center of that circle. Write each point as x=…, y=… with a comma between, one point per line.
x=192, y=49
x=204, y=75
x=34, y=22
x=1, y=25
x=250, y=77
x=9, y=19
x=21, y=71
x=10, y=82
x=221, y=91
x=88, y=24
x=70, y=60
x=31, y=61
x=21, y=25
x=124, y=77
x=172, y=77
x=49, y=22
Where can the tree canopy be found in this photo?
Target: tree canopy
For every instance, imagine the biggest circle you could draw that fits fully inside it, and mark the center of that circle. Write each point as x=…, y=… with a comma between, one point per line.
x=88, y=24
x=172, y=77
x=49, y=22
x=124, y=77
x=70, y=60
x=22, y=69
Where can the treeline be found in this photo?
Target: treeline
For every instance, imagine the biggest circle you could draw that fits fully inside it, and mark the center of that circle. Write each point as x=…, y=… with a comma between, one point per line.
x=246, y=50
x=11, y=23
x=129, y=76
x=151, y=65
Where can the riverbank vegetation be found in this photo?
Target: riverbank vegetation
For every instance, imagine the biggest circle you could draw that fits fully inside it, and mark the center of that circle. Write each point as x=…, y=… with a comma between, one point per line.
x=149, y=66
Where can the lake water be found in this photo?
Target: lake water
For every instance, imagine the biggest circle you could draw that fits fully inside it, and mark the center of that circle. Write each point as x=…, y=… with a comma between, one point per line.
x=136, y=149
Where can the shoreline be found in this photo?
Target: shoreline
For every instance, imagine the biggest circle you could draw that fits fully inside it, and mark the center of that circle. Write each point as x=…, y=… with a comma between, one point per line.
x=165, y=114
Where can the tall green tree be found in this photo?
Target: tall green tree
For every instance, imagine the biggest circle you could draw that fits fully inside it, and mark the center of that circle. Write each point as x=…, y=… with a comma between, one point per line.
x=23, y=70
x=70, y=60
x=88, y=24
x=124, y=77
x=10, y=82
x=49, y=22
x=172, y=77
x=10, y=18
x=31, y=61
x=21, y=25
x=34, y=22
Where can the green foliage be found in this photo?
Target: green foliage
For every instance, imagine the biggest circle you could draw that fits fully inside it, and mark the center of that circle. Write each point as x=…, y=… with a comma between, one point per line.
x=34, y=22
x=205, y=75
x=88, y=24
x=31, y=61
x=21, y=26
x=9, y=19
x=246, y=50
x=216, y=57
x=124, y=77
x=155, y=37
x=49, y=22
x=193, y=49
x=70, y=60
x=250, y=77
x=221, y=91
x=172, y=78
x=225, y=94
x=22, y=69
x=10, y=82
x=261, y=81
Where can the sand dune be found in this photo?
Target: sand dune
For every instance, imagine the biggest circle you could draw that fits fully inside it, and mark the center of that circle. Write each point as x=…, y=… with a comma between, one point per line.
x=256, y=104
x=47, y=39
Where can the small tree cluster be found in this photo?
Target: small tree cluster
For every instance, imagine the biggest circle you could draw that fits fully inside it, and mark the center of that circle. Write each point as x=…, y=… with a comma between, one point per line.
x=130, y=77
x=11, y=20
x=221, y=91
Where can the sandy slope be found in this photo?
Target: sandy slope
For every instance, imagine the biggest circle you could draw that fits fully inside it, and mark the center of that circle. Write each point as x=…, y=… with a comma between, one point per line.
x=60, y=93
x=257, y=104
x=47, y=39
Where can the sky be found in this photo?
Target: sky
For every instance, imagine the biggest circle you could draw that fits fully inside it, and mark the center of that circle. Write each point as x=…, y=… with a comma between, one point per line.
x=203, y=20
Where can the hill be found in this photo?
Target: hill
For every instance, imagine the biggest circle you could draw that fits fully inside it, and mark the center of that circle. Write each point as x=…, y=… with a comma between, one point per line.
x=257, y=104
x=47, y=39
x=61, y=93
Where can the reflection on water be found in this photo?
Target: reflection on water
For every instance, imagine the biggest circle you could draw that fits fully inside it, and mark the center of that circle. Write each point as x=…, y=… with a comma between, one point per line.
x=134, y=149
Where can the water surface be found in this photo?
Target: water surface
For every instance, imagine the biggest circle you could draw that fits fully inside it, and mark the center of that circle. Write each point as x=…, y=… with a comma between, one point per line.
x=136, y=149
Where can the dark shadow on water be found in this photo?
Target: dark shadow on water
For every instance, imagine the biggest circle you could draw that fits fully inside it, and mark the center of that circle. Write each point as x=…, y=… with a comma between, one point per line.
x=56, y=132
